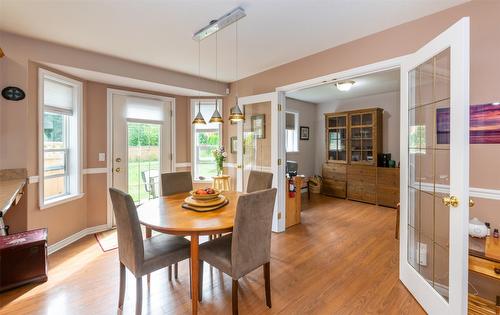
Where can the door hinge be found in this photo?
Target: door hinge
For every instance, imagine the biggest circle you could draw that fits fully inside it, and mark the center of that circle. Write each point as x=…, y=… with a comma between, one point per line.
x=171, y=156
x=279, y=215
x=279, y=161
x=279, y=107
x=171, y=113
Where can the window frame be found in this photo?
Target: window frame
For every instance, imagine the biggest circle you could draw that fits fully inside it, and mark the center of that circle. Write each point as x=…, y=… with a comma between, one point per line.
x=194, y=155
x=73, y=142
x=296, y=132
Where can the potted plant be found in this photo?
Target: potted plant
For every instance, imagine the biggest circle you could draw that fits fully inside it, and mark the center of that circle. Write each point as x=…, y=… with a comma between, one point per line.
x=220, y=156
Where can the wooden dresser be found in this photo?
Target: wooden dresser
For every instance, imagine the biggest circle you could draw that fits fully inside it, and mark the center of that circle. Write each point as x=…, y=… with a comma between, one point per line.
x=376, y=185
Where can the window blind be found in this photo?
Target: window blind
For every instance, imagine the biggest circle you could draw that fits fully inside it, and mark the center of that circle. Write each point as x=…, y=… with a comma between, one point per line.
x=144, y=109
x=58, y=97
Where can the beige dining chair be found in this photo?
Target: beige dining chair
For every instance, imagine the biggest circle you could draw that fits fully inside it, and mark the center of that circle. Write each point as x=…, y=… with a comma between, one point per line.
x=248, y=247
x=141, y=256
x=171, y=184
x=259, y=181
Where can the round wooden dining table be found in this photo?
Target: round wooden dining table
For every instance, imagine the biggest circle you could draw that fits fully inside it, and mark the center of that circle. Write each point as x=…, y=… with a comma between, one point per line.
x=166, y=215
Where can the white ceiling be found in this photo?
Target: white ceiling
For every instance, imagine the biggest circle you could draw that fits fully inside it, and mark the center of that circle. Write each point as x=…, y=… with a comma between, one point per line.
x=127, y=82
x=159, y=32
x=375, y=83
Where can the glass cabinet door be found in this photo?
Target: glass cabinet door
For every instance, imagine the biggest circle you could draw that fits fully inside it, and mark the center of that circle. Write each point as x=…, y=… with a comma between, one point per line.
x=362, y=141
x=337, y=137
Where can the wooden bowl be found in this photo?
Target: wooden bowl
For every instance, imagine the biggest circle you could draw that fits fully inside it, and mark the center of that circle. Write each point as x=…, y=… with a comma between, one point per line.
x=204, y=197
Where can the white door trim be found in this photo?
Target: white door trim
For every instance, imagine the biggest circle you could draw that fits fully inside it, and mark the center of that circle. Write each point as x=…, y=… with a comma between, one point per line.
x=379, y=66
x=109, y=135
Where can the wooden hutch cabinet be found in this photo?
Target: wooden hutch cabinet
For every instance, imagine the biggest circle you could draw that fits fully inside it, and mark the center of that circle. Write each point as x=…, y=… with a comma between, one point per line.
x=353, y=142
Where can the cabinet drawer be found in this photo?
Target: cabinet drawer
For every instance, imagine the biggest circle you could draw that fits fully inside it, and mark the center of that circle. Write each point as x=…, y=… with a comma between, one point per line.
x=485, y=267
x=354, y=191
x=334, y=188
x=388, y=177
x=369, y=195
x=388, y=197
x=361, y=173
x=334, y=171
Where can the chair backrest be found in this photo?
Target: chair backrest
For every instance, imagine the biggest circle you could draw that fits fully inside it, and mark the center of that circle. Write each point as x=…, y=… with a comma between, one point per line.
x=174, y=183
x=130, y=242
x=259, y=181
x=251, y=243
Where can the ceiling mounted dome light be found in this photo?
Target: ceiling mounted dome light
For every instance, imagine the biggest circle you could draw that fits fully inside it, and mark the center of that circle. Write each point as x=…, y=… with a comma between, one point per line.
x=344, y=86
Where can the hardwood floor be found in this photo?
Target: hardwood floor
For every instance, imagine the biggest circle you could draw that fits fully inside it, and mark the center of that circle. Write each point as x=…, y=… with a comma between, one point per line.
x=342, y=259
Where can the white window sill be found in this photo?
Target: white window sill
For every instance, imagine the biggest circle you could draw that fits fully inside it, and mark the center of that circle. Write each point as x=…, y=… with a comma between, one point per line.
x=292, y=151
x=60, y=200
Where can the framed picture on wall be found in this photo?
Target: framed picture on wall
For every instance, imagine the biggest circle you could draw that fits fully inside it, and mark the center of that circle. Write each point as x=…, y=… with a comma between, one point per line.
x=259, y=126
x=304, y=133
x=234, y=144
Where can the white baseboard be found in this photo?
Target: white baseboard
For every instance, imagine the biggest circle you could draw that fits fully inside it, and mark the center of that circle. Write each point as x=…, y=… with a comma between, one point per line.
x=75, y=237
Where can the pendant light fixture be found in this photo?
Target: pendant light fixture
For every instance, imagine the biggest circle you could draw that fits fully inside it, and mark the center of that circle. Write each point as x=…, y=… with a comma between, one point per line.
x=199, y=120
x=235, y=113
x=216, y=116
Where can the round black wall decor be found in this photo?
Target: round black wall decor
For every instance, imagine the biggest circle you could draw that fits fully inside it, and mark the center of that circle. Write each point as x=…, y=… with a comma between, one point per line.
x=13, y=93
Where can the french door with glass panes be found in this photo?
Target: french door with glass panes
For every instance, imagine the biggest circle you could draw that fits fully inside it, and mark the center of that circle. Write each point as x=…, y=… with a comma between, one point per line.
x=435, y=172
x=141, y=132
x=261, y=145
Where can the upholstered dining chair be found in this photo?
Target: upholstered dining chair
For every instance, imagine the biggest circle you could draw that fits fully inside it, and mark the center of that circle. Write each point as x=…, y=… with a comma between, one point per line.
x=141, y=256
x=175, y=183
x=171, y=184
x=248, y=247
x=259, y=181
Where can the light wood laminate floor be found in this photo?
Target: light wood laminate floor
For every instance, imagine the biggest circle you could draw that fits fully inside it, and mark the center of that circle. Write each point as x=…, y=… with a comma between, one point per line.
x=342, y=259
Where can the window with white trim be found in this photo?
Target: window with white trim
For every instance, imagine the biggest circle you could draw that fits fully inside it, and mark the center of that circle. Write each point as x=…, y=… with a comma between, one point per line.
x=292, y=132
x=60, y=138
x=205, y=139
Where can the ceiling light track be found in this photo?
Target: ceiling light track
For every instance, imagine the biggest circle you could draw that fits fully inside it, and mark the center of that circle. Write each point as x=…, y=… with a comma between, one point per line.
x=217, y=25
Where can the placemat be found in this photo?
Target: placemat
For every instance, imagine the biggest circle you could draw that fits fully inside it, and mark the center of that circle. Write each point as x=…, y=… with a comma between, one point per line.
x=204, y=209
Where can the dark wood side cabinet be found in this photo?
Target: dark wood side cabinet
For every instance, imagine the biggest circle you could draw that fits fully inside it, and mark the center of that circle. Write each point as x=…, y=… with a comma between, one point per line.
x=23, y=258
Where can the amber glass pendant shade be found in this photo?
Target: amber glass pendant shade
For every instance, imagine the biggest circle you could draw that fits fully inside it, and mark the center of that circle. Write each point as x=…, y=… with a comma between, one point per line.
x=216, y=116
x=236, y=114
x=199, y=120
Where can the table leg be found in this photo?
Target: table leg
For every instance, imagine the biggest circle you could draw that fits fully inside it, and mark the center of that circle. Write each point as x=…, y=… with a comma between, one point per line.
x=148, y=235
x=194, y=272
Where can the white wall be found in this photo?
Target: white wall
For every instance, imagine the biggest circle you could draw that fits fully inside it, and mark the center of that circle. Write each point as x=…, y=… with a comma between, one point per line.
x=307, y=118
x=387, y=101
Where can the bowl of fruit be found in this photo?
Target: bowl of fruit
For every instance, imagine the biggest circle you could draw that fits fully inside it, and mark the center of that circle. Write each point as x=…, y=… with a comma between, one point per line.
x=205, y=193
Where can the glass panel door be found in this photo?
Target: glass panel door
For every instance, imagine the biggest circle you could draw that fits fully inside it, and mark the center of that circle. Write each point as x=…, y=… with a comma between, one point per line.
x=429, y=170
x=261, y=146
x=435, y=172
x=256, y=139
